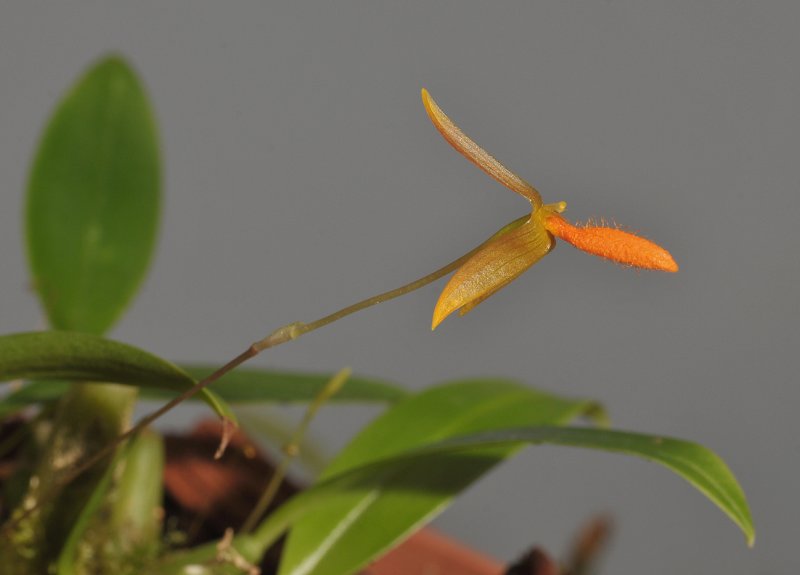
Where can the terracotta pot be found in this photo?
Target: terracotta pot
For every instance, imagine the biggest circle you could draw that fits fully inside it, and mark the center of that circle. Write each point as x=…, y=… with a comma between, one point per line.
x=428, y=552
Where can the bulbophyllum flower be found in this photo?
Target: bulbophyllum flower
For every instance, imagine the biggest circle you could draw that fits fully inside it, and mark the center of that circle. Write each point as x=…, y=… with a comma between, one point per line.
x=523, y=242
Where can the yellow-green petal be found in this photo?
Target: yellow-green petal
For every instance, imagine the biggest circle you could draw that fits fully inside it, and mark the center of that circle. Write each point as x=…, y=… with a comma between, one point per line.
x=515, y=249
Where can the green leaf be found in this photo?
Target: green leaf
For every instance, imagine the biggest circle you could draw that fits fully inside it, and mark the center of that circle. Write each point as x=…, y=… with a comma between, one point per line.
x=382, y=517
x=254, y=385
x=32, y=393
x=456, y=408
x=698, y=465
x=445, y=468
x=76, y=356
x=68, y=562
x=357, y=525
x=93, y=199
x=120, y=523
x=269, y=426
x=135, y=520
x=239, y=386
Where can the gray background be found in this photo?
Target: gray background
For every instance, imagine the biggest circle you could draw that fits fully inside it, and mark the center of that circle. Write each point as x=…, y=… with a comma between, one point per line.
x=302, y=174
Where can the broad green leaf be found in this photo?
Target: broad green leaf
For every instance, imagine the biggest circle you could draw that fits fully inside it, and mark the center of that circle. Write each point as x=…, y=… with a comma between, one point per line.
x=440, y=468
x=383, y=517
x=93, y=199
x=357, y=525
x=445, y=468
x=72, y=356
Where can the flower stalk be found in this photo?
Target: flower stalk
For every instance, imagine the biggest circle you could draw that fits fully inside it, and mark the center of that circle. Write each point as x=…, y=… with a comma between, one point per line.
x=479, y=274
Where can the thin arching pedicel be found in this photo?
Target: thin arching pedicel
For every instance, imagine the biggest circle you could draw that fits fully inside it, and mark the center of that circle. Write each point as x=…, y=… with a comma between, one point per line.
x=280, y=336
x=477, y=155
x=627, y=249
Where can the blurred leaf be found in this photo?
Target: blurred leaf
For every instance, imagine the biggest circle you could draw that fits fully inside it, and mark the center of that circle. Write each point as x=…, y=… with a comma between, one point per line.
x=74, y=356
x=239, y=386
x=93, y=199
x=272, y=427
x=253, y=385
x=31, y=394
x=120, y=523
x=69, y=562
x=136, y=517
x=356, y=525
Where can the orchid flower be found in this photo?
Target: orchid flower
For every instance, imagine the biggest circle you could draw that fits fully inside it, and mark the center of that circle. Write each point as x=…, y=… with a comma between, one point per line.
x=523, y=242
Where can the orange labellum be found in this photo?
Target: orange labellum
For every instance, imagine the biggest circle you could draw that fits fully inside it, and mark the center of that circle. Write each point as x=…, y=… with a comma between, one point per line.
x=613, y=244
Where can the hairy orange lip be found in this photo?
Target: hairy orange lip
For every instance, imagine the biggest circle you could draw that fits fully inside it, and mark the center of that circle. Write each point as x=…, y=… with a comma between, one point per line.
x=612, y=244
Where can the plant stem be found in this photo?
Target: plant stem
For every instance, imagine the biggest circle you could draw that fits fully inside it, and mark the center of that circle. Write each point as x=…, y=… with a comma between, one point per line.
x=292, y=449
x=295, y=330
x=280, y=336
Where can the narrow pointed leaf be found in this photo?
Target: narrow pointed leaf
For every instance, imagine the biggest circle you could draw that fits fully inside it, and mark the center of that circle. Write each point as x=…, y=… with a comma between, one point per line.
x=434, y=415
x=256, y=385
x=441, y=470
x=61, y=355
x=342, y=534
x=93, y=199
x=698, y=465
x=241, y=386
